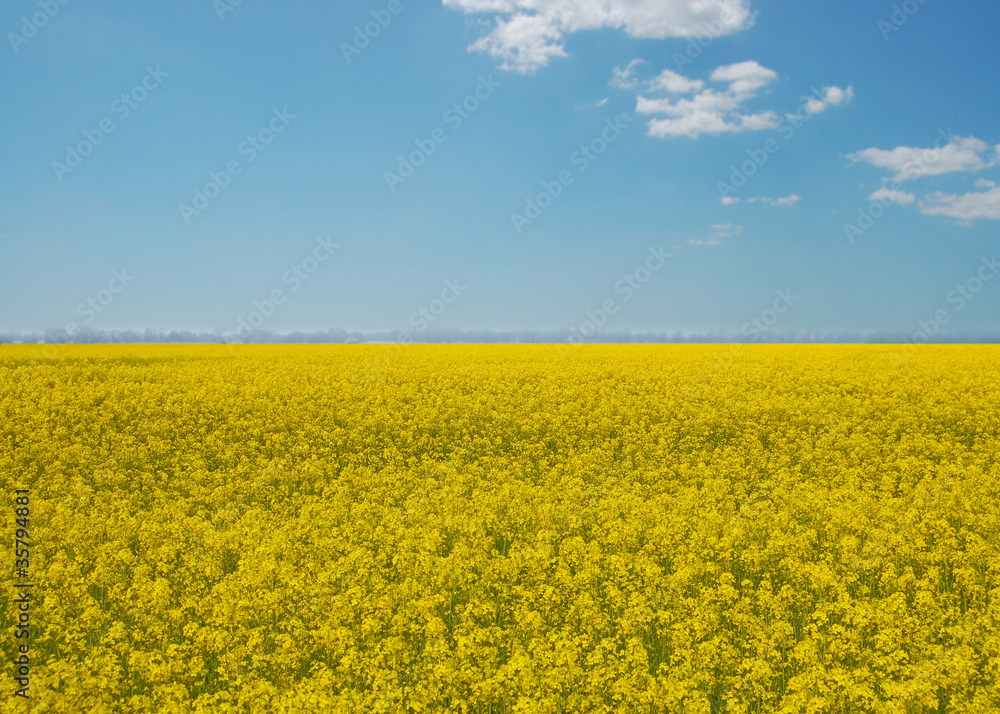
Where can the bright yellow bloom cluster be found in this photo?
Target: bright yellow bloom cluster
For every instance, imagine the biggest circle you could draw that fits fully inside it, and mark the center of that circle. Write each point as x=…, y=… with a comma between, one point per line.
x=507, y=528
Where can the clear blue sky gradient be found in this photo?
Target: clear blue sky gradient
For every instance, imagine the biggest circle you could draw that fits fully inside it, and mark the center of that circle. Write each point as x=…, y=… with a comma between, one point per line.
x=217, y=82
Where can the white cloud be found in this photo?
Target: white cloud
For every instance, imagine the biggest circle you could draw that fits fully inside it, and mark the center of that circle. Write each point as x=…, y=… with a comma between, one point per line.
x=831, y=97
x=789, y=200
x=908, y=163
x=674, y=83
x=529, y=33
x=704, y=111
x=710, y=241
x=903, y=198
x=524, y=42
x=958, y=155
x=835, y=96
x=745, y=78
x=965, y=207
x=728, y=200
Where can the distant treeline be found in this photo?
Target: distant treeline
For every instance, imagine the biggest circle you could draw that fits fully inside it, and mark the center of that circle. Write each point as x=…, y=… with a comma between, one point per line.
x=339, y=336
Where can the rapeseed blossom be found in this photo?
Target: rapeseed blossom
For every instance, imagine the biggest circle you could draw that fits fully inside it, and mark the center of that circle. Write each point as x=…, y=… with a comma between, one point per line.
x=507, y=528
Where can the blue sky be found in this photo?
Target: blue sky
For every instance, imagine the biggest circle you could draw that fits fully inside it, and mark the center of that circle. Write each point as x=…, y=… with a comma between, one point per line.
x=875, y=208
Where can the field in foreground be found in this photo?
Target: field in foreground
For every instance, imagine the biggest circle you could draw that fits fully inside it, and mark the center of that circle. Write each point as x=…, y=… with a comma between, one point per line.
x=506, y=528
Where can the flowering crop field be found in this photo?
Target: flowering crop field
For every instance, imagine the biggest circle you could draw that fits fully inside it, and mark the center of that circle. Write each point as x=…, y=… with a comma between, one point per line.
x=365, y=528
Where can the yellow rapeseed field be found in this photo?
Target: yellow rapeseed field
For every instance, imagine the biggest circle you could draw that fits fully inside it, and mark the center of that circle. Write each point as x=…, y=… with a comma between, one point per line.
x=366, y=528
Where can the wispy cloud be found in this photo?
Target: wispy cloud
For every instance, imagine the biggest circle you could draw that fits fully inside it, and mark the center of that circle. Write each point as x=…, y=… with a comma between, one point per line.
x=726, y=230
x=719, y=231
x=624, y=77
x=789, y=200
x=591, y=105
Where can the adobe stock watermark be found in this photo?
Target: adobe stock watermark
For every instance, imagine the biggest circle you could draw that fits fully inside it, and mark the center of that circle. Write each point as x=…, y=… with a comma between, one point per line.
x=31, y=26
x=876, y=209
x=957, y=299
x=225, y=7
x=757, y=158
x=753, y=330
x=582, y=159
x=630, y=284
x=364, y=34
x=563, y=12
x=90, y=308
x=871, y=213
x=760, y=324
x=901, y=14
x=294, y=278
x=425, y=316
x=454, y=117
x=249, y=149
x=420, y=320
x=709, y=33
x=122, y=109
